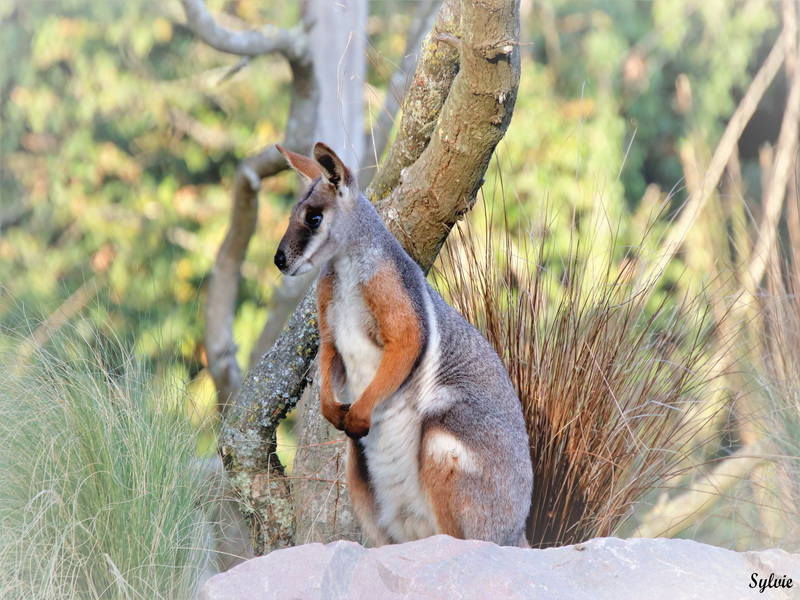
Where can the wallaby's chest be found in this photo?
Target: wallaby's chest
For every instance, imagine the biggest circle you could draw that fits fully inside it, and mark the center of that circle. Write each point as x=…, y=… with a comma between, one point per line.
x=392, y=454
x=356, y=335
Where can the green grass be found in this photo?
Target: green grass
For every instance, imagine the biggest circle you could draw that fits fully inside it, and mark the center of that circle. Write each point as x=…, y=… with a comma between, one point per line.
x=100, y=495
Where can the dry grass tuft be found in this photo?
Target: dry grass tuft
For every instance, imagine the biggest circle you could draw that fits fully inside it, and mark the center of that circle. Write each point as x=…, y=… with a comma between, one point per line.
x=611, y=386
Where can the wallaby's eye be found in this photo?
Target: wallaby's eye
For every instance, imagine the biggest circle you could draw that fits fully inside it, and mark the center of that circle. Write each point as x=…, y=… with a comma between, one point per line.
x=313, y=219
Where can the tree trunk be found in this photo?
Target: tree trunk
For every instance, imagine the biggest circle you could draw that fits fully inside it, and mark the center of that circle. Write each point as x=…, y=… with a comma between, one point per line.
x=323, y=512
x=340, y=59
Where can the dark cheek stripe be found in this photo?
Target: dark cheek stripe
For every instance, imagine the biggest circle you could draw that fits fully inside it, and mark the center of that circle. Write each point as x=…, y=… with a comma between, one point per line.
x=303, y=238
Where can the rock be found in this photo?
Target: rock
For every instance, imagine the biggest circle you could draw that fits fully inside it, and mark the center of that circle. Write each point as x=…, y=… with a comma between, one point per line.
x=441, y=567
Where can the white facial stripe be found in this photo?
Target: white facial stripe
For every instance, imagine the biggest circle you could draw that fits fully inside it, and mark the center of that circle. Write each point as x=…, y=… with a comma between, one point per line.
x=301, y=269
x=317, y=242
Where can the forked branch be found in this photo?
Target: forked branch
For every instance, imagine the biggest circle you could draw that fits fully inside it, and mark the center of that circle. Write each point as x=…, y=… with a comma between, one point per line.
x=293, y=44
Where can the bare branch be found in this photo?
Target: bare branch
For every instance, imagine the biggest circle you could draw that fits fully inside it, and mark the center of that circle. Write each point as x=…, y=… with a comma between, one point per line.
x=436, y=70
x=784, y=164
x=224, y=284
x=442, y=185
x=789, y=9
x=243, y=62
x=291, y=43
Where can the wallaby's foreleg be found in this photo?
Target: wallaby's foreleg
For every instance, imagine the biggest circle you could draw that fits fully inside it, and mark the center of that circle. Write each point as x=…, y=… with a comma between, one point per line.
x=329, y=359
x=362, y=496
x=387, y=298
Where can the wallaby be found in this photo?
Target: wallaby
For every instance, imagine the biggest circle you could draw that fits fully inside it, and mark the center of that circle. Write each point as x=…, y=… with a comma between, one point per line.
x=438, y=442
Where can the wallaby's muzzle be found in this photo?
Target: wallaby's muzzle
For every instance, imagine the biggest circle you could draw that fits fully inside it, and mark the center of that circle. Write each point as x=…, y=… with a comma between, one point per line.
x=280, y=259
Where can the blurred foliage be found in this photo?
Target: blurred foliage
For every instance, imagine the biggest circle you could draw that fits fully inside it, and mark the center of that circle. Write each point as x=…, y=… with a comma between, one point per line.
x=610, y=95
x=121, y=133
x=119, y=140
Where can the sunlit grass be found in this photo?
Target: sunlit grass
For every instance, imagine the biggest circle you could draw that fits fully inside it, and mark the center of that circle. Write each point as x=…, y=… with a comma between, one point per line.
x=100, y=495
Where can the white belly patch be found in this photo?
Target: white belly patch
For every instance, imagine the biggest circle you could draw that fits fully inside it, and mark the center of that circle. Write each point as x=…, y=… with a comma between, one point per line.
x=392, y=453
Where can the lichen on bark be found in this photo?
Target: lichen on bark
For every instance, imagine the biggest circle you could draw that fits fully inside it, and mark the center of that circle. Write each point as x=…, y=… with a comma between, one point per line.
x=248, y=434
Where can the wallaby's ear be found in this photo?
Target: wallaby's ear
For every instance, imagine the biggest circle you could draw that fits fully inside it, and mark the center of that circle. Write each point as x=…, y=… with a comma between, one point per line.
x=305, y=167
x=333, y=169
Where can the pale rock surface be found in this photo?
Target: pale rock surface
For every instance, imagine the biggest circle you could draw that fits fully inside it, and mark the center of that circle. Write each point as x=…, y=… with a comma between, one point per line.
x=445, y=568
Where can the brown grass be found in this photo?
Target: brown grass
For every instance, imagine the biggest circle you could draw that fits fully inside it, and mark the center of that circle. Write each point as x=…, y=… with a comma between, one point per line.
x=780, y=371
x=611, y=388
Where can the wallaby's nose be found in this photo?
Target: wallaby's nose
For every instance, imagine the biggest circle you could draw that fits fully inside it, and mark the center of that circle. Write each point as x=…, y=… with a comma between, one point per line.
x=280, y=260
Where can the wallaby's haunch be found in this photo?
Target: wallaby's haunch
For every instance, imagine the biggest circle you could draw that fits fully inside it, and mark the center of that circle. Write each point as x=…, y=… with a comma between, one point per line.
x=437, y=438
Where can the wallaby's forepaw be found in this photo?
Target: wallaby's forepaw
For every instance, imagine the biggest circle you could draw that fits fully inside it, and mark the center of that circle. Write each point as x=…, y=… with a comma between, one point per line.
x=335, y=413
x=355, y=425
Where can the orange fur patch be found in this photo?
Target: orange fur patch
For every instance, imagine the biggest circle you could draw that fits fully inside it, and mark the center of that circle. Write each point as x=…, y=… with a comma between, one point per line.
x=438, y=474
x=399, y=328
x=332, y=410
